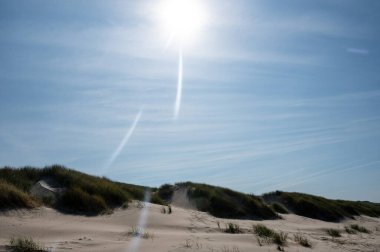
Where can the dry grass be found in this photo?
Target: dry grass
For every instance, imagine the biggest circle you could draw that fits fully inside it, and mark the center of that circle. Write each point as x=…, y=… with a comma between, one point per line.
x=302, y=240
x=280, y=238
x=267, y=235
x=333, y=232
x=140, y=232
x=25, y=245
x=360, y=229
x=12, y=197
x=350, y=230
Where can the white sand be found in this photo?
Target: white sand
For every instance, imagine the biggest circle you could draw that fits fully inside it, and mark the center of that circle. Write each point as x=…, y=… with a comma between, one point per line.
x=172, y=232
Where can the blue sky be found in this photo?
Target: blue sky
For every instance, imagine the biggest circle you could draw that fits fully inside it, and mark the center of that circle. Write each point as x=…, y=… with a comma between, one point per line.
x=276, y=94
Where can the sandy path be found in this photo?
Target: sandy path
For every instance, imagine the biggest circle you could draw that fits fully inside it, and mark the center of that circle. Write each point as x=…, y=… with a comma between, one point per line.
x=183, y=230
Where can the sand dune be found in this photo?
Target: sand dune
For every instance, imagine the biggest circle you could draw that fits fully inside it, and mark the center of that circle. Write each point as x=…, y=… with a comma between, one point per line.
x=183, y=230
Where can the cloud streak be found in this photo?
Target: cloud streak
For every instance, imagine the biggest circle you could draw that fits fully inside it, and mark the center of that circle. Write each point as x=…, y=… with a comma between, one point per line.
x=360, y=51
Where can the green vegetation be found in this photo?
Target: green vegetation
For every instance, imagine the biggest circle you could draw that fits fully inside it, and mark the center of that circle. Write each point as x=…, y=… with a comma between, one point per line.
x=360, y=229
x=321, y=208
x=82, y=194
x=11, y=197
x=25, y=245
x=226, y=203
x=155, y=199
x=233, y=228
x=280, y=238
x=333, y=232
x=165, y=192
x=77, y=200
x=263, y=231
x=269, y=236
x=279, y=208
x=91, y=195
x=350, y=230
x=302, y=240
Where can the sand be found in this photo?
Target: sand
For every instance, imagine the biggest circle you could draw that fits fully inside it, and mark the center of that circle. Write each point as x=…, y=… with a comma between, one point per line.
x=183, y=230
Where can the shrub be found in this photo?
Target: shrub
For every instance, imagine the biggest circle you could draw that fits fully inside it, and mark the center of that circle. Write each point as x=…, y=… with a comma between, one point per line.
x=233, y=228
x=165, y=192
x=25, y=245
x=11, y=197
x=333, y=232
x=302, y=240
x=360, y=229
x=155, y=199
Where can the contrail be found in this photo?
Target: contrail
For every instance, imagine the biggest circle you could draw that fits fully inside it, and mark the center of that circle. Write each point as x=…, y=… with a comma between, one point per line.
x=179, y=85
x=123, y=142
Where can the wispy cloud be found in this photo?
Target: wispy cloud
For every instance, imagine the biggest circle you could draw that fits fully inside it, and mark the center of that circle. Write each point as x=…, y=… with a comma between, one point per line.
x=360, y=51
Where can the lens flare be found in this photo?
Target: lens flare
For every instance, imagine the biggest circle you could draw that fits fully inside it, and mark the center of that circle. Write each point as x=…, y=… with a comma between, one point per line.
x=135, y=243
x=123, y=142
x=177, y=104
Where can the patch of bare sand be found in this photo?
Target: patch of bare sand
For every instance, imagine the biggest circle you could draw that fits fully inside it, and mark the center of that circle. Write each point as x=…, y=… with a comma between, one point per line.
x=183, y=230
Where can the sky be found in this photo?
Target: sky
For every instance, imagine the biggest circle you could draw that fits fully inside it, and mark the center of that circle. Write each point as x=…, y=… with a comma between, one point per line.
x=276, y=95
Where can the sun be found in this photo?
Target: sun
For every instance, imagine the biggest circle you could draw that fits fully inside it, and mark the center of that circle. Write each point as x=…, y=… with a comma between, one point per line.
x=182, y=19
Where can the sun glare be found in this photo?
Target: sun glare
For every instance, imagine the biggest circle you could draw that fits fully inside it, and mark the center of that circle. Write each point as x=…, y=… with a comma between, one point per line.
x=182, y=19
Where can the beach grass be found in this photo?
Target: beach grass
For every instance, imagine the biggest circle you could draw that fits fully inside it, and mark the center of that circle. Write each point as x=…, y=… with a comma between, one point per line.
x=27, y=244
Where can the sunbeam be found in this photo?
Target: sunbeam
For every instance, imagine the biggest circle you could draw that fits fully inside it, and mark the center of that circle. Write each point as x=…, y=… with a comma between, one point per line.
x=178, y=99
x=123, y=142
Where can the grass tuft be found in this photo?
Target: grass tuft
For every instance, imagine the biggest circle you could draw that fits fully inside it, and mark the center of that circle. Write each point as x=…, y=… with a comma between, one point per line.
x=267, y=235
x=233, y=228
x=350, y=230
x=25, y=245
x=140, y=232
x=302, y=240
x=333, y=232
x=360, y=229
x=280, y=238
x=263, y=231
